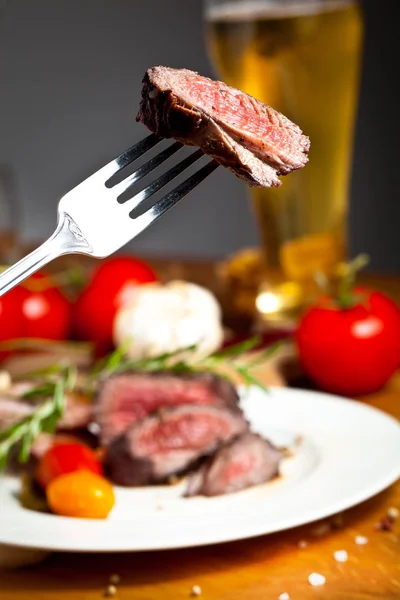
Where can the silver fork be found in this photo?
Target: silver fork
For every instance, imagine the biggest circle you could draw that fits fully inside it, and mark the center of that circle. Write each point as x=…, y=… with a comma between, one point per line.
x=93, y=218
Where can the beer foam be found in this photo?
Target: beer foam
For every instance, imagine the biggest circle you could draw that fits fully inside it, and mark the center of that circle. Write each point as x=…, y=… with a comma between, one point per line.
x=255, y=9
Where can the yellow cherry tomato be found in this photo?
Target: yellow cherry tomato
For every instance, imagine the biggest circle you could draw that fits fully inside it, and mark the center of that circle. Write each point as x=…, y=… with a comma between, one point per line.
x=81, y=494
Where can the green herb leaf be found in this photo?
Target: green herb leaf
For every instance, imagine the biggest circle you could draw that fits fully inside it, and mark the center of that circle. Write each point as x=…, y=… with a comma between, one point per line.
x=44, y=418
x=47, y=371
x=249, y=379
x=117, y=362
x=117, y=357
x=268, y=353
x=238, y=349
x=245, y=370
x=71, y=376
x=38, y=392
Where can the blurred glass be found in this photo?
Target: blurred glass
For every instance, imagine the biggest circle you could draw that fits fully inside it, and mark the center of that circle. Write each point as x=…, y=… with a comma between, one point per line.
x=303, y=58
x=8, y=216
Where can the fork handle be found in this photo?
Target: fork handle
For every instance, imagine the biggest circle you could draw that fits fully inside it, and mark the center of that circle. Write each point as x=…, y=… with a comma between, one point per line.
x=63, y=241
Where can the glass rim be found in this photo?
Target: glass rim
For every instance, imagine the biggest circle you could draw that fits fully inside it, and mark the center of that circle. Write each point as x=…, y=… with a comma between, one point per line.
x=234, y=9
x=277, y=2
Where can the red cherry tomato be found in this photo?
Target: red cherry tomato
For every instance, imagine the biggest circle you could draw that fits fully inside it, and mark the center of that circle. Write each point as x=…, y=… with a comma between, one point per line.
x=11, y=326
x=351, y=351
x=66, y=458
x=45, y=311
x=111, y=286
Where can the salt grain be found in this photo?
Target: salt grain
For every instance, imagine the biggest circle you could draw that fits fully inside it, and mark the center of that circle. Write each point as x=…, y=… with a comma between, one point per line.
x=115, y=579
x=196, y=590
x=393, y=513
x=111, y=590
x=361, y=540
x=302, y=544
x=340, y=556
x=94, y=428
x=284, y=596
x=315, y=579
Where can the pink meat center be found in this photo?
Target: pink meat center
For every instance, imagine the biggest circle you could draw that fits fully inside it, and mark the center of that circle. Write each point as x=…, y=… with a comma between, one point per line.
x=241, y=465
x=182, y=432
x=239, y=111
x=135, y=401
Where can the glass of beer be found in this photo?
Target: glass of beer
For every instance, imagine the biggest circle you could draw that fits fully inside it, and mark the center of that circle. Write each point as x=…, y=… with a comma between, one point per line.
x=303, y=58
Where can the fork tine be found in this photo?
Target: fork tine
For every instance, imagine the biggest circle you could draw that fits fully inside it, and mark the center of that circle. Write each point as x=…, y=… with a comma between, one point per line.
x=173, y=197
x=138, y=149
x=105, y=173
x=164, y=179
x=145, y=169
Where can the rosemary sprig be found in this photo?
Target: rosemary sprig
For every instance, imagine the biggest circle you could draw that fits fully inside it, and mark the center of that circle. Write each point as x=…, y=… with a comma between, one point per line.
x=244, y=371
x=118, y=363
x=238, y=349
x=268, y=353
x=43, y=419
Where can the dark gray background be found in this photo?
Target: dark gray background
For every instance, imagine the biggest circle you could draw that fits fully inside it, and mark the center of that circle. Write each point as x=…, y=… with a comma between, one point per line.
x=70, y=75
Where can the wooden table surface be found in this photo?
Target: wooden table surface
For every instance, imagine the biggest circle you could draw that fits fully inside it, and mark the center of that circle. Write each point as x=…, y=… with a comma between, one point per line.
x=260, y=568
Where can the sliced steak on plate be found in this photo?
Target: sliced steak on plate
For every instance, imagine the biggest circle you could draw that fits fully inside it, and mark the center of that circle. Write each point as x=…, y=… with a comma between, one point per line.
x=247, y=460
x=125, y=398
x=78, y=412
x=12, y=411
x=169, y=442
x=253, y=140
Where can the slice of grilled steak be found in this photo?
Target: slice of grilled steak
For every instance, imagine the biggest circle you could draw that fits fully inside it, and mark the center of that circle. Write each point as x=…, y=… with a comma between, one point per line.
x=246, y=461
x=125, y=398
x=78, y=412
x=253, y=140
x=169, y=442
x=12, y=411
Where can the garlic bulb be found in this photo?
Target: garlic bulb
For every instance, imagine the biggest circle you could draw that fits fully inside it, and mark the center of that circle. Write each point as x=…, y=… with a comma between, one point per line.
x=168, y=317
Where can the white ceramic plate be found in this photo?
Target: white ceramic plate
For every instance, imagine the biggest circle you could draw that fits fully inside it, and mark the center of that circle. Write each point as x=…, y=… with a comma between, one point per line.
x=348, y=452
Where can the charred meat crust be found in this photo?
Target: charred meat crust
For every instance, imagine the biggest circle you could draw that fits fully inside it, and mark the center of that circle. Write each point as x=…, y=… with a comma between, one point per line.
x=123, y=469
